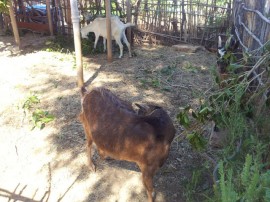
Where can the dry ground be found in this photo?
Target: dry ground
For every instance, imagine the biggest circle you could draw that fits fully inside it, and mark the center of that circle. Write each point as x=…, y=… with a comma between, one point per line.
x=50, y=164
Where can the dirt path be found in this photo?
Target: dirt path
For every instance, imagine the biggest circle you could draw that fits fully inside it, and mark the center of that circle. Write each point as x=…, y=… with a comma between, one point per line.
x=50, y=164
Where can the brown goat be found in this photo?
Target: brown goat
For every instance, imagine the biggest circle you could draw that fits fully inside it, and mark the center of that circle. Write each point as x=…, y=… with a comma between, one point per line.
x=119, y=132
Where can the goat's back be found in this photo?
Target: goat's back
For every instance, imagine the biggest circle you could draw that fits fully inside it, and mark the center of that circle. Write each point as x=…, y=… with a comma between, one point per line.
x=113, y=123
x=99, y=26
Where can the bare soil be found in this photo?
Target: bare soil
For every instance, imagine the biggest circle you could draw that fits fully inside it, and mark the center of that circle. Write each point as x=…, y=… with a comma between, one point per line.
x=50, y=164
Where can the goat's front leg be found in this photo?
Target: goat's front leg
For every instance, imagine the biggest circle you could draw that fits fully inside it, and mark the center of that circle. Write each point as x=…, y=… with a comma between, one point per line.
x=147, y=175
x=104, y=43
x=127, y=43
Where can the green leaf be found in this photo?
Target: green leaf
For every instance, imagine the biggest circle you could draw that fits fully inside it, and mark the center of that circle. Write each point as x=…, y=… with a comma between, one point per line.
x=234, y=66
x=182, y=117
x=197, y=141
x=204, y=111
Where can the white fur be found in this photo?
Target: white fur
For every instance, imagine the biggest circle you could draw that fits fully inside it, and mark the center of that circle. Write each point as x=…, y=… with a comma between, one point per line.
x=219, y=42
x=98, y=26
x=221, y=52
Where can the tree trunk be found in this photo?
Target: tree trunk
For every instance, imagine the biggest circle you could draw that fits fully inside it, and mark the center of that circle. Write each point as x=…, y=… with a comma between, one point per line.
x=14, y=24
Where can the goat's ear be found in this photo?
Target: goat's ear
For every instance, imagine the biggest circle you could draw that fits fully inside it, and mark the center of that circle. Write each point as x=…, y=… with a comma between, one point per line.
x=219, y=42
x=142, y=110
x=153, y=107
x=140, y=107
x=228, y=43
x=232, y=43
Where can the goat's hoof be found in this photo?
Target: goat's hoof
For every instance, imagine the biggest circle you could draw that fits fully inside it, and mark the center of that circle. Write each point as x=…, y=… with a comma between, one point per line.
x=92, y=167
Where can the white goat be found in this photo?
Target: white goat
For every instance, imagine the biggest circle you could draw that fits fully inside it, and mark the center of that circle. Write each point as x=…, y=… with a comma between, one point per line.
x=98, y=26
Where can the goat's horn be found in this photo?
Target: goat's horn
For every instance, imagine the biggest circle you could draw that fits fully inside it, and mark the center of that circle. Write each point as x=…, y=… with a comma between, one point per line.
x=139, y=106
x=219, y=42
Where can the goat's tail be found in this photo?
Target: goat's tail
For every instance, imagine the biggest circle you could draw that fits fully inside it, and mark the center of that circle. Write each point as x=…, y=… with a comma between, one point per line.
x=129, y=24
x=83, y=91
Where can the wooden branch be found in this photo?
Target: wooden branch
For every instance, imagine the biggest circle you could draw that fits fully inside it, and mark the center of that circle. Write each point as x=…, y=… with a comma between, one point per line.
x=256, y=11
x=239, y=39
x=250, y=33
x=257, y=65
x=257, y=76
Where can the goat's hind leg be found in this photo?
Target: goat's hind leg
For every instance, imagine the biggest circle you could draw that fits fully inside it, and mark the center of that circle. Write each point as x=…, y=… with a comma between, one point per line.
x=127, y=43
x=89, y=153
x=104, y=44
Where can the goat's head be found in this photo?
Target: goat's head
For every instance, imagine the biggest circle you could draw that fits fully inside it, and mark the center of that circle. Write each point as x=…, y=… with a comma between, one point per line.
x=89, y=28
x=84, y=32
x=87, y=16
x=159, y=119
x=225, y=53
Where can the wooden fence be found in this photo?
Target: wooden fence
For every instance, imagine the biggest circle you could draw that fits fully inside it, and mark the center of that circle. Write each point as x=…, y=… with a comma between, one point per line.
x=171, y=21
x=157, y=21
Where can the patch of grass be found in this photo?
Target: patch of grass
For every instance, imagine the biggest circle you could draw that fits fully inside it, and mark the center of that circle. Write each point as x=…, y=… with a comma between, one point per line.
x=30, y=102
x=198, y=182
x=60, y=44
x=88, y=45
x=158, y=79
x=167, y=72
x=248, y=184
x=191, y=185
x=150, y=82
x=143, y=83
x=155, y=83
x=189, y=67
x=243, y=171
x=39, y=118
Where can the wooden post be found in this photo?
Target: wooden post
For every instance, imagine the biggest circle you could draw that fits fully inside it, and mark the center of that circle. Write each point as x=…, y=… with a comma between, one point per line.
x=128, y=20
x=49, y=16
x=14, y=24
x=77, y=40
x=68, y=16
x=109, y=31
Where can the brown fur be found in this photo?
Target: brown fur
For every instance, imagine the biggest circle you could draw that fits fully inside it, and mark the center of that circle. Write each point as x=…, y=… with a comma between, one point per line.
x=119, y=132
